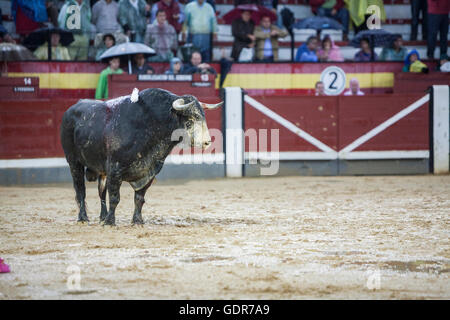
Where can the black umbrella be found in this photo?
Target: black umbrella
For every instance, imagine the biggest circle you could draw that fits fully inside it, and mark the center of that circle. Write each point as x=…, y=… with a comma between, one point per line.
x=376, y=37
x=40, y=36
x=318, y=23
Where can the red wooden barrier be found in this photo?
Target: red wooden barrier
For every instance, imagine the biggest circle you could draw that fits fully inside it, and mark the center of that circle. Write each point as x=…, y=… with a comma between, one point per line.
x=359, y=115
x=316, y=115
x=31, y=128
x=407, y=82
x=334, y=123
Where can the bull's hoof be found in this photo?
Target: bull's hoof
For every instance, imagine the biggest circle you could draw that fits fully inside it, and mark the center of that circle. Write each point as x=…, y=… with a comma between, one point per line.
x=139, y=222
x=83, y=219
x=102, y=218
x=137, y=219
x=109, y=221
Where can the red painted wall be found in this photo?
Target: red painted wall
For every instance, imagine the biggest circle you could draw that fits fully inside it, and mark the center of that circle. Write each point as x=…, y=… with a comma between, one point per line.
x=30, y=128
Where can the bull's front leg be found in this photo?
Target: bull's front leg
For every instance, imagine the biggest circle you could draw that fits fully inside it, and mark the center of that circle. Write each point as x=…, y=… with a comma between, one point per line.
x=113, y=183
x=139, y=200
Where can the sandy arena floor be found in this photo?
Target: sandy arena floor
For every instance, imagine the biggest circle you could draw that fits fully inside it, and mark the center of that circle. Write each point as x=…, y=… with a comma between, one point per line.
x=260, y=238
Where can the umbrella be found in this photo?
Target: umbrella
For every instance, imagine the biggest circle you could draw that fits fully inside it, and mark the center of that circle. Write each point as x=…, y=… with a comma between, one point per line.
x=257, y=13
x=318, y=23
x=377, y=38
x=40, y=36
x=14, y=52
x=127, y=49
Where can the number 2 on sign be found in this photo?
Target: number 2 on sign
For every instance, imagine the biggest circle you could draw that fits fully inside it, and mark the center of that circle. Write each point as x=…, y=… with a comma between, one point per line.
x=332, y=87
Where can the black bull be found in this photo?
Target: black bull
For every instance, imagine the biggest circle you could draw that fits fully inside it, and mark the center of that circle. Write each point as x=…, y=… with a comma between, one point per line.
x=127, y=139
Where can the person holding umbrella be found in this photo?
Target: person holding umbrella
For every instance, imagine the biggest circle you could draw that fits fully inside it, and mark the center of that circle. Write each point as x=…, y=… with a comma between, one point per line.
x=127, y=50
x=140, y=66
x=369, y=39
x=58, y=52
x=102, y=87
x=366, y=52
x=56, y=45
x=395, y=51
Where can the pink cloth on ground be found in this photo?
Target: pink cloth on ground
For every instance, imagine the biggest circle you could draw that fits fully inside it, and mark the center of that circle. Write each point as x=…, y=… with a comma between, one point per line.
x=4, y=268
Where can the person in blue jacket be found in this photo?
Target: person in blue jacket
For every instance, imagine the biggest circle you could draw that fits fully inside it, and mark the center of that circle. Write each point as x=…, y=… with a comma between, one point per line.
x=307, y=51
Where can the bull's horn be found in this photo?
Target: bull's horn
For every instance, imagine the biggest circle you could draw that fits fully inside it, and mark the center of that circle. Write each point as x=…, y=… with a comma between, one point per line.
x=211, y=106
x=179, y=104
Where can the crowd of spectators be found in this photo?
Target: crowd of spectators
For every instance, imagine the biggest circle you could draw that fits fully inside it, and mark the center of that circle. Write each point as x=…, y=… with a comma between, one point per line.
x=161, y=24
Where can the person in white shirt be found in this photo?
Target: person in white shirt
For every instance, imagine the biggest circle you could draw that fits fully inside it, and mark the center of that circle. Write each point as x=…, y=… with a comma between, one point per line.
x=354, y=89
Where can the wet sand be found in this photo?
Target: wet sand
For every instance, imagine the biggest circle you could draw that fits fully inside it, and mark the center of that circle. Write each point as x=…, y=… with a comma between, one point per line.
x=260, y=238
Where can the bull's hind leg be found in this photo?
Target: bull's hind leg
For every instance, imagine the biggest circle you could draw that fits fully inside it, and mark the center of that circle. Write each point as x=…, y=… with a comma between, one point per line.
x=102, y=195
x=77, y=171
x=139, y=200
x=113, y=183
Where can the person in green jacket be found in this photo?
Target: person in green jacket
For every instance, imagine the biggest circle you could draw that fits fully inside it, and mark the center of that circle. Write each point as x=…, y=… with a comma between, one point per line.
x=102, y=87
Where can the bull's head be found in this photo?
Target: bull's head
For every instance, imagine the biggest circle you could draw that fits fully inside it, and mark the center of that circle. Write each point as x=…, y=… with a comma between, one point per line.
x=194, y=120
